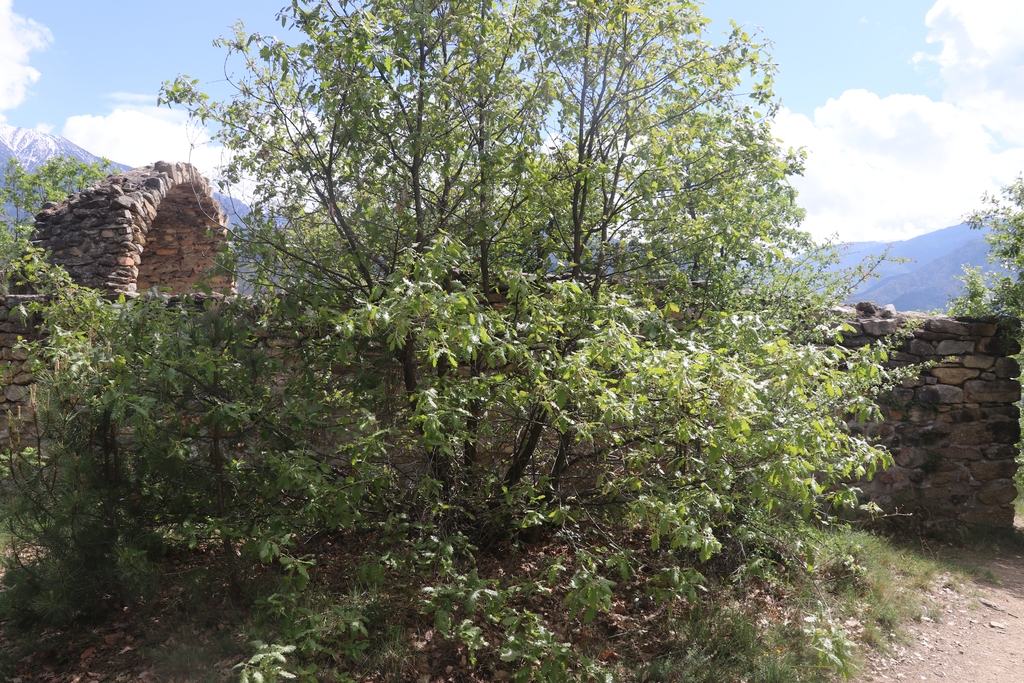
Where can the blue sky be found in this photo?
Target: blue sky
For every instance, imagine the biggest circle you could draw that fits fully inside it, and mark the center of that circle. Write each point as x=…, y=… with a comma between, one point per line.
x=825, y=47
x=909, y=109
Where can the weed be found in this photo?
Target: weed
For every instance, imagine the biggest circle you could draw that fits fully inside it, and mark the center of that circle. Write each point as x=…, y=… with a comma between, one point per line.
x=933, y=461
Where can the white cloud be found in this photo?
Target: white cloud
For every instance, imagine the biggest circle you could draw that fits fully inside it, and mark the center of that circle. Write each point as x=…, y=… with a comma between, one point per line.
x=137, y=134
x=982, y=59
x=44, y=127
x=895, y=167
x=18, y=37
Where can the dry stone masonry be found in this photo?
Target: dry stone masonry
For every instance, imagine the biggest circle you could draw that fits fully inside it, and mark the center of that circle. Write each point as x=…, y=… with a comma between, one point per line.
x=17, y=399
x=154, y=226
x=953, y=429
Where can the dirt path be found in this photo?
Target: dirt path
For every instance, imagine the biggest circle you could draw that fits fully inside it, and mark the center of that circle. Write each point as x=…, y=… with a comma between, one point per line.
x=975, y=635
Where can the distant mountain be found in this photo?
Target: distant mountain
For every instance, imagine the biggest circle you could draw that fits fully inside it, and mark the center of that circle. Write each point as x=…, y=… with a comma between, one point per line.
x=926, y=281
x=919, y=250
x=33, y=147
x=930, y=286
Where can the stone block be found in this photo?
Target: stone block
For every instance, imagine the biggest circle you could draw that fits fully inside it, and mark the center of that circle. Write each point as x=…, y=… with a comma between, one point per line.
x=970, y=434
x=946, y=325
x=1001, y=516
x=853, y=326
x=1010, y=411
x=921, y=347
x=893, y=476
x=983, y=330
x=998, y=492
x=992, y=391
x=1007, y=368
x=950, y=347
x=948, y=477
x=879, y=328
x=14, y=392
x=939, y=495
x=998, y=346
x=911, y=457
x=954, y=375
x=124, y=202
x=1001, y=451
x=867, y=308
x=1004, y=431
x=902, y=396
x=978, y=360
x=986, y=470
x=964, y=415
x=959, y=453
x=855, y=342
x=934, y=336
x=939, y=393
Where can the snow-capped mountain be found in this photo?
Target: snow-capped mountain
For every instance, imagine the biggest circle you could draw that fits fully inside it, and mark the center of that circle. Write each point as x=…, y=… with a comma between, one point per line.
x=33, y=147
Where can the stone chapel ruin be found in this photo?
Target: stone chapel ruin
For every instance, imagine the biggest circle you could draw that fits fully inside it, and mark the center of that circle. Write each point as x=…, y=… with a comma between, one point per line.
x=952, y=429
x=154, y=226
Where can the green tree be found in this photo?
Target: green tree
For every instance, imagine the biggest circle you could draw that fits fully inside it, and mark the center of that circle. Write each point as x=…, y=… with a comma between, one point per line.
x=22, y=193
x=976, y=299
x=1003, y=216
x=540, y=212
x=409, y=158
x=534, y=266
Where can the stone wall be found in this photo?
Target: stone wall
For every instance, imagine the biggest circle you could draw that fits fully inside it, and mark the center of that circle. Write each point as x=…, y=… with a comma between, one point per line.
x=953, y=428
x=154, y=226
x=17, y=399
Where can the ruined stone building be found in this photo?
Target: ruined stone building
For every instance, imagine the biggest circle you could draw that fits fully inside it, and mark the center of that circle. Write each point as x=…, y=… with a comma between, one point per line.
x=154, y=226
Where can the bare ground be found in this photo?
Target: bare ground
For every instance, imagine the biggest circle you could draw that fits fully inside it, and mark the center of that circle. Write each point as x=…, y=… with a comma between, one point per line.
x=973, y=633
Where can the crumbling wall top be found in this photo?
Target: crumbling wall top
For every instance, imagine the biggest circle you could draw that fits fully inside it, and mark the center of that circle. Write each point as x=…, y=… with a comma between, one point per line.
x=154, y=226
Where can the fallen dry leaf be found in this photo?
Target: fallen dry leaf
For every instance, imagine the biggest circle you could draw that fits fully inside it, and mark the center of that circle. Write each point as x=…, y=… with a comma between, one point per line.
x=88, y=654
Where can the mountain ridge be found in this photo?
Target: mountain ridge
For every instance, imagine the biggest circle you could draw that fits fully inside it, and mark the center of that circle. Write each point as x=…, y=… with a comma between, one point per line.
x=925, y=279
x=33, y=147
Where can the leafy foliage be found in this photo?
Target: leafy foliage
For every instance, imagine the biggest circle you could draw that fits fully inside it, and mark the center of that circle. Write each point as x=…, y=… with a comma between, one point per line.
x=534, y=270
x=22, y=193
x=977, y=297
x=1004, y=218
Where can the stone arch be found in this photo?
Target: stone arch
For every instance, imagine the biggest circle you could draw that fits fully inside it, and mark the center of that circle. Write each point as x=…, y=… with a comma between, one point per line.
x=153, y=226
